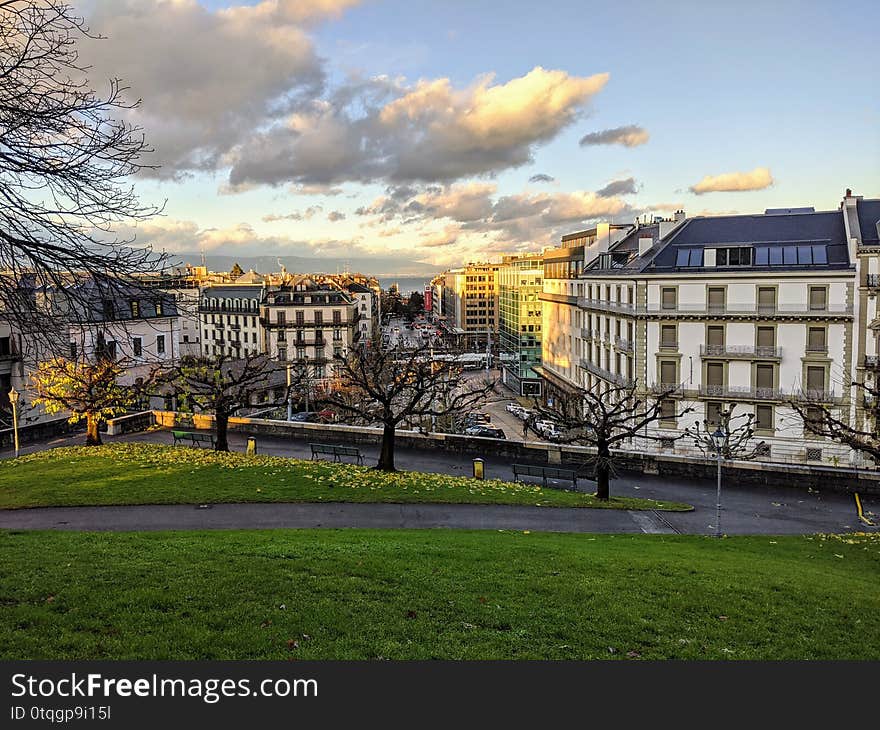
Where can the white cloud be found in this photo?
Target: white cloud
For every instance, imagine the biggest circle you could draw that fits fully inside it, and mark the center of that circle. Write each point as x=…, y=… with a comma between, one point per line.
x=382, y=129
x=729, y=182
x=207, y=79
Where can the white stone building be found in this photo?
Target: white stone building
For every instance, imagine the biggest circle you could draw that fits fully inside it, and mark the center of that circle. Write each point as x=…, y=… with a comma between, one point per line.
x=229, y=316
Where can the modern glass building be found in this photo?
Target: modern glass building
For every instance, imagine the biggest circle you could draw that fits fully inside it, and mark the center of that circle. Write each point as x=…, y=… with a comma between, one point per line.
x=520, y=280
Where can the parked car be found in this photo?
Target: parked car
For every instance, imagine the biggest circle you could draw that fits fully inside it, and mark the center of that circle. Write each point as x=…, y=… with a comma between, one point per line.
x=306, y=417
x=514, y=408
x=485, y=432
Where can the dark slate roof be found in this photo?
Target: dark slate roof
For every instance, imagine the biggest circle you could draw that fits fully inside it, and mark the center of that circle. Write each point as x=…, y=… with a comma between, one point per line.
x=822, y=228
x=233, y=291
x=869, y=221
x=107, y=301
x=359, y=288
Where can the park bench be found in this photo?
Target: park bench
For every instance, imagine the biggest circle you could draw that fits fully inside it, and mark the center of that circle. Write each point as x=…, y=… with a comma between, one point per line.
x=544, y=473
x=336, y=451
x=196, y=439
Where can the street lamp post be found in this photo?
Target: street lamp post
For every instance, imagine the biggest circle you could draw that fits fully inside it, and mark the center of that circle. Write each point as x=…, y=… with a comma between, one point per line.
x=289, y=395
x=13, y=399
x=308, y=383
x=718, y=442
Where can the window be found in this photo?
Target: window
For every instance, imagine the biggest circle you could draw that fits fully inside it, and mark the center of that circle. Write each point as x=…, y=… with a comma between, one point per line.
x=689, y=257
x=763, y=378
x=300, y=317
x=281, y=318
x=716, y=297
x=818, y=298
x=802, y=255
x=282, y=354
x=764, y=418
x=108, y=309
x=766, y=298
x=137, y=345
x=135, y=308
x=766, y=337
x=816, y=339
x=73, y=351
x=715, y=335
x=158, y=309
x=319, y=317
x=668, y=337
x=668, y=298
x=337, y=316
x=160, y=344
x=816, y=378
x=741, y=256
x=713, y=412
x=668, y=373
x=667, y=412
x=715, y=374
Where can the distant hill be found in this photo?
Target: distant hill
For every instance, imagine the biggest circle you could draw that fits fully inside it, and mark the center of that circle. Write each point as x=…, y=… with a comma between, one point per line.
x=385, y=266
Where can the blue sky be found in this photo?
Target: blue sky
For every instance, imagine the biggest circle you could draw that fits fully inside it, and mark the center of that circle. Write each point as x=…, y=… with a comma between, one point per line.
x=781, y=98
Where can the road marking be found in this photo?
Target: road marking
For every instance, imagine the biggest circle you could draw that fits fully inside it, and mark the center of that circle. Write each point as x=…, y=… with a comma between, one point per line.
x=651, y=523
x=862, y=517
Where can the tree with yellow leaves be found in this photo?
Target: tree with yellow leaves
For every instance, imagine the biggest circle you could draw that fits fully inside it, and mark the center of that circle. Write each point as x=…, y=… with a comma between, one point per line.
x=90, y=391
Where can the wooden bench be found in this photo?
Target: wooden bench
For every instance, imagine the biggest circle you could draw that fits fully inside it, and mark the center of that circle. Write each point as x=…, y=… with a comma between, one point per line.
x=196, y=439
x=336, y=451
x=545, y=473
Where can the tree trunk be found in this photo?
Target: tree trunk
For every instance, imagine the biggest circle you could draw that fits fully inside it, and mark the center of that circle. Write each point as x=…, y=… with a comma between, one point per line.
x=386, y=455
x=93, y=435
x=221, y=420
x=603, y=472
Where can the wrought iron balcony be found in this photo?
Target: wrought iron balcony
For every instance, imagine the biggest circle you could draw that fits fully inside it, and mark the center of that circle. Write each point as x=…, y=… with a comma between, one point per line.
x=601, y=372
x=764, y=352
x=623, y=344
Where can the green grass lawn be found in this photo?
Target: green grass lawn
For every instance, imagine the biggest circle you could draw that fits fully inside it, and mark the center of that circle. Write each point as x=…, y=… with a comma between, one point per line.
x=130, y=473
x=359, y=594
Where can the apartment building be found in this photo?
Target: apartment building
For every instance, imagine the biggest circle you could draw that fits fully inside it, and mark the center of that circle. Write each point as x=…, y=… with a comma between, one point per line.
x=470, y=303
x=229, y=318
x=751, y=310
x=562, y=321
x=310, y=323
x=520, y=282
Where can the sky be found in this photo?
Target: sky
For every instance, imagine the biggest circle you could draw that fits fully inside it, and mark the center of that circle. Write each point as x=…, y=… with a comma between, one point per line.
x=455, y=131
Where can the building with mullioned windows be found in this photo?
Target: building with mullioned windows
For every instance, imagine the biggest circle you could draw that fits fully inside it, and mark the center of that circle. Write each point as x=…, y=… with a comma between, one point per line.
x=751, y=311
x=520, y=281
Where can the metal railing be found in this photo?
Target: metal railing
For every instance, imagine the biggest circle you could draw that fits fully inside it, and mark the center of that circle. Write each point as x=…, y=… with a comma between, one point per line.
x=762, y=351
x=601, y=372
x=623, y=344
x=732, y=309
x=761, y=393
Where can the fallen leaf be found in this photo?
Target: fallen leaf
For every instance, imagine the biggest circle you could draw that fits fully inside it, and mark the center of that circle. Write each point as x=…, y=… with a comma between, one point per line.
x=411, y=614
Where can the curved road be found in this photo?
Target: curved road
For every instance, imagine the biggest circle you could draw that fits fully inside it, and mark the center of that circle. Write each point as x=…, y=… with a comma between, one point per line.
x=388, y=516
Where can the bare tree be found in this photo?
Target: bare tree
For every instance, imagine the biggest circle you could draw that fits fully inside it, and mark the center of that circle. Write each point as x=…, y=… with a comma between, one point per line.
x=64, y=160
x=606, y=416
x=392, y=386
x=225, y=385
x=825, y=420
x=728, y=437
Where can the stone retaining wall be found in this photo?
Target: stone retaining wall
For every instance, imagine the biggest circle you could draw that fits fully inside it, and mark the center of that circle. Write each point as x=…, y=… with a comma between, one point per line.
x=817, y=477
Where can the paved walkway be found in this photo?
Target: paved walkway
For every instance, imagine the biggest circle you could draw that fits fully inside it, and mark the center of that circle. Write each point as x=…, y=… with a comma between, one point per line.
x=386, y=516
x=748, y=509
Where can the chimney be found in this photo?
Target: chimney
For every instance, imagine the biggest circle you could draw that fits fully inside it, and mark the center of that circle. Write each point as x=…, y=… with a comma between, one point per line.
x=646, y=243
x=679, y=216
x=848, y=193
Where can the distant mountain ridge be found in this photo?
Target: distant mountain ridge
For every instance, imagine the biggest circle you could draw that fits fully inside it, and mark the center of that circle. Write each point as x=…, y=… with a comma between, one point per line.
x=384, y=266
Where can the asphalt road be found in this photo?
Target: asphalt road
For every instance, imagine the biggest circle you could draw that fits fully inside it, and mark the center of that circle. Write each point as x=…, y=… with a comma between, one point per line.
x=747, y=509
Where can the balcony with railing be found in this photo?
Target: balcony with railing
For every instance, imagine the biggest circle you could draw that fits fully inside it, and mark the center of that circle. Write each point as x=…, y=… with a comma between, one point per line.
x=624, y=345
x=872, y=362
x=751, y=352
x=749, y=392
x=601, y=372
x=731, y=309
x=874, y=281
x=586, y=334
x=667, y=389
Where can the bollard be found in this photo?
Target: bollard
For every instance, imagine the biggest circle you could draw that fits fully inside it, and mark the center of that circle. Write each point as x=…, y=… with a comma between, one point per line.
x=478, y=469
x=251, y=446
